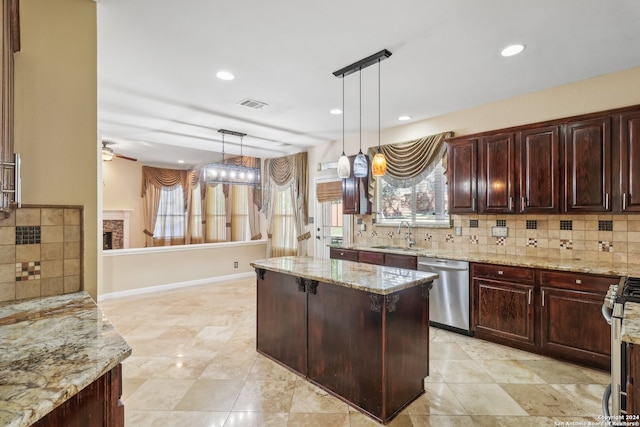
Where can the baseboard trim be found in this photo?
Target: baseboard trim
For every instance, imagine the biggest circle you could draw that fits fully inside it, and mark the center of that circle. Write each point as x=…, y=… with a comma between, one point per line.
x=171, y=286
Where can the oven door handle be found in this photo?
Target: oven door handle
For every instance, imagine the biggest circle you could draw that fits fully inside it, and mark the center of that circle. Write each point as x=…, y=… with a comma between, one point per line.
x=605, y=405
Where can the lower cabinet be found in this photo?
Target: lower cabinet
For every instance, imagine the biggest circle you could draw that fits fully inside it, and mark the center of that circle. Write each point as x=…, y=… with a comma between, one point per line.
x=371, y=350
x=97, y=405
x=549, y=312
x=387, y=259
x=633, y=379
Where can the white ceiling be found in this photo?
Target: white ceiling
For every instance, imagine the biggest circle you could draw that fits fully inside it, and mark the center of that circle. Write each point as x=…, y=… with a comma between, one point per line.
x=159, y=99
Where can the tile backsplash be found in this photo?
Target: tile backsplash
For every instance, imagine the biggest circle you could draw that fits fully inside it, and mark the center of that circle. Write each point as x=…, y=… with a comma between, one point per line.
x=40, y=252
x=600, y=238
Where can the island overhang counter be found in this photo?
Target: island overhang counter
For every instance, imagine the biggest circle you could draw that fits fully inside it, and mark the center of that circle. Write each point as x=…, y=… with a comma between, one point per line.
x=358, y=331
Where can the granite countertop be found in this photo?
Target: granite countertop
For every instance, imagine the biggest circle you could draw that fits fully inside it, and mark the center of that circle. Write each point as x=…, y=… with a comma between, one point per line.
x=366, y=277
x=51, y=348
x=578, y=266
x=630, y=331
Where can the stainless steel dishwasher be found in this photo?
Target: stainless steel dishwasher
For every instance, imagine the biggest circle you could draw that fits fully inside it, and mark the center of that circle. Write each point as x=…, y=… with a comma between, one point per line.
x=449, y=297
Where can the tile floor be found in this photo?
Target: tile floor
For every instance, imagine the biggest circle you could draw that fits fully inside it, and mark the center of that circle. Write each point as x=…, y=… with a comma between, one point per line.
x=194, y=363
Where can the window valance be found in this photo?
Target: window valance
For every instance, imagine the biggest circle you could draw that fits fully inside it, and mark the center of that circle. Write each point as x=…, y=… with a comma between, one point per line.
x=160, y=177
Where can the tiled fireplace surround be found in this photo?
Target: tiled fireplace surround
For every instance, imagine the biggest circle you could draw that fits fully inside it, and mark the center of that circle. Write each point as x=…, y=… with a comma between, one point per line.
x=606, y=239
x=40, y=252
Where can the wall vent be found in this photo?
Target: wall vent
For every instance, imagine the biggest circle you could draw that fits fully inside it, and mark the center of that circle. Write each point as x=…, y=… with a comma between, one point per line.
x=252, y=103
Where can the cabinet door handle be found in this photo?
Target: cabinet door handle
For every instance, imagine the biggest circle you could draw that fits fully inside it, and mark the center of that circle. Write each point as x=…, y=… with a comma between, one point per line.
x=510, y=203
x=543, y=298
x=529, y=297
x=523, y=204
x=578, y=282
x=606, y=201
x=473, y=204
x=500, y=272
x=624, y=201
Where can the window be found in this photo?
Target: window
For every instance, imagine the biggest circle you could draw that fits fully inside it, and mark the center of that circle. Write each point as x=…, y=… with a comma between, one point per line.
x=170, y=222
x=333, y=220
x=216, y=223
x=240, y=213
x=425, y=203
x=284, y=241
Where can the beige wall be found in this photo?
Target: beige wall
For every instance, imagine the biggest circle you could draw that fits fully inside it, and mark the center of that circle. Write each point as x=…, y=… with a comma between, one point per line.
x=136, y=269
x=56, y=112
x=121, y=183
x=600, y=93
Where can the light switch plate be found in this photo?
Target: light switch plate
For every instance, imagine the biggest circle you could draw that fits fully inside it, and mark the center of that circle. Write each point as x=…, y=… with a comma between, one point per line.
x=499, y=231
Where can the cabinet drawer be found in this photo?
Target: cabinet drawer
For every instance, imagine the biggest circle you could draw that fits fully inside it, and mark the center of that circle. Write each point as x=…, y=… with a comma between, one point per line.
x=577, y=281
x=376, y=258
x=346, y=254
x=503, y=272
x=401, y=261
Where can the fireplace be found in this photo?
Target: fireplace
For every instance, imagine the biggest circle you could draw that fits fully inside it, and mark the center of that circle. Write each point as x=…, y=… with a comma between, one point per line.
x=115, y=227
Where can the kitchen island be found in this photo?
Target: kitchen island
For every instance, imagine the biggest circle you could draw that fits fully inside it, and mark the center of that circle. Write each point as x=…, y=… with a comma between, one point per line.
x=359, y=331
x=60, y=363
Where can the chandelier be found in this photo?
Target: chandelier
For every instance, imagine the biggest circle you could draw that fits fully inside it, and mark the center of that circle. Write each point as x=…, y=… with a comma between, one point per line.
x=232, y=171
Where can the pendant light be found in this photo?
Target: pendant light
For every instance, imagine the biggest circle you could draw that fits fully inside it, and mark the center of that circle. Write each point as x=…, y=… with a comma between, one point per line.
x=360, y=164
x=379, y=164
x=344, y=169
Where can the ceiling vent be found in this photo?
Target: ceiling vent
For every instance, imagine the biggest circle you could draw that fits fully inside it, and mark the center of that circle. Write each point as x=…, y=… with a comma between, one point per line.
x=252, y=103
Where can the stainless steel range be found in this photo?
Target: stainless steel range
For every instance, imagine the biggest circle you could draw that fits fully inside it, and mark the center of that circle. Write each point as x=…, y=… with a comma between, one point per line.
x=628, y=289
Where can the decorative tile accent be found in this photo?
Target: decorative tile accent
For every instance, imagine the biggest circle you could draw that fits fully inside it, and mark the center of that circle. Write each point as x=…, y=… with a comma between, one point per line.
x=390, y=234
x=604, y=246
x=27, y=271
x=28, y=235
x=359, y=233
x=374, y=233
x=428, y=237
x=449, y=238
x=532, y=243
x=566, y=244
x=605, y=225
x=532, y=224
x=501, y=222
x=501, y=241
x=566, y=224
x=473, y=223
x=473, y=240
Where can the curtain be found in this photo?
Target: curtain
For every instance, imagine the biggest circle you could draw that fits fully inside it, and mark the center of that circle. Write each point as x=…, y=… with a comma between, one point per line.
x=195, y=225
x=410, y=162
x=284, y=172
x=329, y=191
x=216, y=218
x=254, y=215
x=283, y=224
x=153, y=180
x=239, y=213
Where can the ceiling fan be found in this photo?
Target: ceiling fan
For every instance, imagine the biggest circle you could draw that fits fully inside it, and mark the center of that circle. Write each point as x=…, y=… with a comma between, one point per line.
x=108, y=154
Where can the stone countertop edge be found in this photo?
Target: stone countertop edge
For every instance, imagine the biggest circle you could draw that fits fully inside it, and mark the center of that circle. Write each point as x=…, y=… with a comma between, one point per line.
x=371, y=278
x=630, y=331
x=50, y=349
x=569, y=265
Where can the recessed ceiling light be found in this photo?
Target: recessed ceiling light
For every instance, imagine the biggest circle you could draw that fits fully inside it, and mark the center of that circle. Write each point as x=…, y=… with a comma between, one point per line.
x=225, y=75
x=180, y=161
x=514, y=49
x=404, y=118
x=335, y=111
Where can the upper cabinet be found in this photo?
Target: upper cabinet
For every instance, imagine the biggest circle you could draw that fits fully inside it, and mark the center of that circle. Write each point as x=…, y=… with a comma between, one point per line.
x=587, y=167
x=629, y=163
x=539, y=170
x=462, y=176
x=355, y=194
x=497, y=174
x=560, y=166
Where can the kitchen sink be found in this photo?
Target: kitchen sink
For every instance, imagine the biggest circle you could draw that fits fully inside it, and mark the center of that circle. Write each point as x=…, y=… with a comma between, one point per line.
x=394, y=248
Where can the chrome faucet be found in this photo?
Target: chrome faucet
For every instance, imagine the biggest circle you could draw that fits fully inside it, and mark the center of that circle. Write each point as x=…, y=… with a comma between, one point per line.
x=410, y=241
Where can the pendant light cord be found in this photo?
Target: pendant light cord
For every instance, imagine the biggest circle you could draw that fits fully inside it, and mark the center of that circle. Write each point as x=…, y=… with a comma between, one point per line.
x=378, y=105
x=360, y=76
x=343, y=114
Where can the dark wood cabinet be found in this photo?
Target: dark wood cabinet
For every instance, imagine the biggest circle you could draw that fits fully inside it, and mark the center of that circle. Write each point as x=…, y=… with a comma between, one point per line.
x=345, y=254
x=368, y=257
x=587, y=165
x=462, y=176
x=282, y=319
x=629, y=163
x=633, y=379
x=97, y=405
x=539, y=170
x=571, y=321
x=497, y=174
x=370, y=350
x=503, y=304
x=355, y=194
x=401, y=261
x=549, y=312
